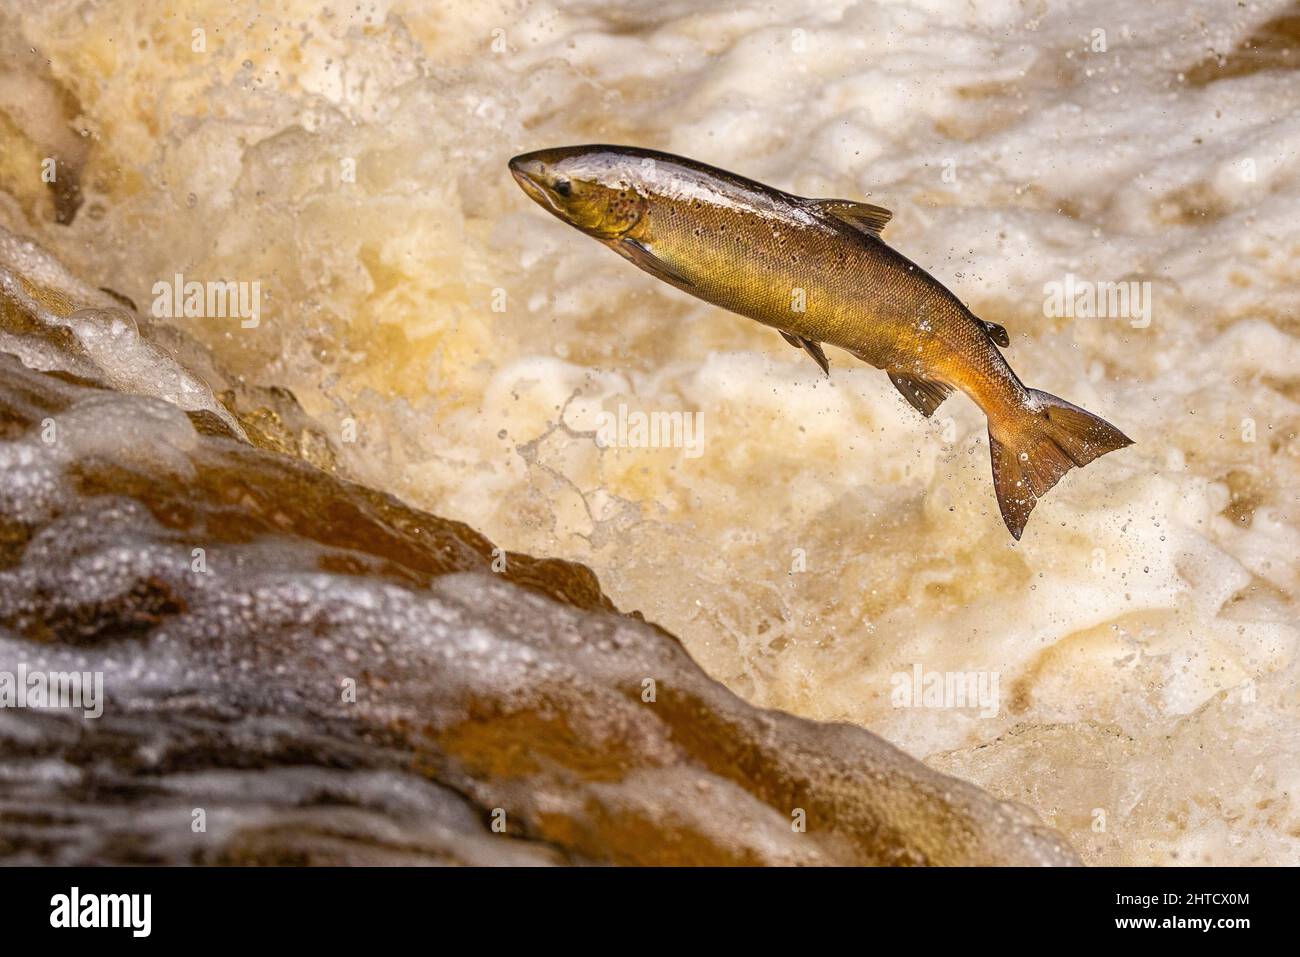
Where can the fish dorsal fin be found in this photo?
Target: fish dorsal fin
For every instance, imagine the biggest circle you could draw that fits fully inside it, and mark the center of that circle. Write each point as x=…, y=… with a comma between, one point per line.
x=861, y=216
x=813, y=349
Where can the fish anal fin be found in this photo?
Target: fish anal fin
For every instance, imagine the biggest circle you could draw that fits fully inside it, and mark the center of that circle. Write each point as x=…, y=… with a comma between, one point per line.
x=925, y=395
x=813, y=349
x=642, y=256
x=995, y=332
x=861, y=216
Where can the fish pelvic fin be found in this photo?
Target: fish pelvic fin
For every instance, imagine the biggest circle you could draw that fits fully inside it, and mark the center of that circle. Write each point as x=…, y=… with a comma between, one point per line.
x=1049, y=437
x=813, y=349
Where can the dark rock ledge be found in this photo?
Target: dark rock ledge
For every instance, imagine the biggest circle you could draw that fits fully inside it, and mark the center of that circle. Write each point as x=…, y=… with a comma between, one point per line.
x=298, y=669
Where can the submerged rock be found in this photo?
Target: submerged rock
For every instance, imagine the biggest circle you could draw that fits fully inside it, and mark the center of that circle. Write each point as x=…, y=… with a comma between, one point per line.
x=298, y=669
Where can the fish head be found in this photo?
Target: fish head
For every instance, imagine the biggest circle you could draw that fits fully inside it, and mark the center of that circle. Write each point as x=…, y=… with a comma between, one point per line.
x=589, y=187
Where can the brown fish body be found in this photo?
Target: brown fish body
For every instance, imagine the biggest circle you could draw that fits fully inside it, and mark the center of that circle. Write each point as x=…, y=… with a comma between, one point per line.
x=818, y=271
x=777, y=259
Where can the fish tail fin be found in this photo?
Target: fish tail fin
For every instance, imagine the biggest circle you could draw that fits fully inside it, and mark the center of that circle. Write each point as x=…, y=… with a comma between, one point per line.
x=1046, y=438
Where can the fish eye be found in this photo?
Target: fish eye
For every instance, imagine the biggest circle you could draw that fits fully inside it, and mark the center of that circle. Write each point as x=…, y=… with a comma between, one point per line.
x=563, y=187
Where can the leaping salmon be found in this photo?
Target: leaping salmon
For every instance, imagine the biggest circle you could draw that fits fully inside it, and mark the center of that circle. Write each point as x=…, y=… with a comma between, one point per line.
x=818, y=271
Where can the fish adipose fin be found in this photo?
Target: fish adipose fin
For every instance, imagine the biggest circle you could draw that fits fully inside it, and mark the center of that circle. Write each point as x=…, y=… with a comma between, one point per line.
x=641, y=255
x=1051, y=437
x=861, y=216
x=813, y=349
x=997, y=333
x=926, y=395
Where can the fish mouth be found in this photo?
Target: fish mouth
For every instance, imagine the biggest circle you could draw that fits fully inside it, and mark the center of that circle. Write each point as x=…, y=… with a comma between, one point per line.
x=529, y=185
x=528, y=174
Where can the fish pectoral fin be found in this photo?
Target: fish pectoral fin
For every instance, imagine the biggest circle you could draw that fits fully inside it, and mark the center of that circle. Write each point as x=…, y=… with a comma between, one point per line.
x=813, y=349
x=640, y=255
x=925, y=395
x=861, y=216
x=997, y=333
